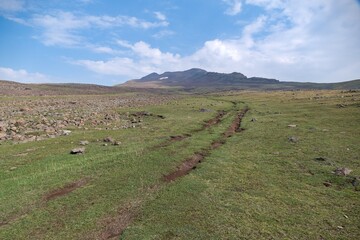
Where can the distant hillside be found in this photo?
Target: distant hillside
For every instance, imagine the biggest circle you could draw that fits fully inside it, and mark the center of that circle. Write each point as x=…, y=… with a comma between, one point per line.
x=199, y=78
x=9, y=88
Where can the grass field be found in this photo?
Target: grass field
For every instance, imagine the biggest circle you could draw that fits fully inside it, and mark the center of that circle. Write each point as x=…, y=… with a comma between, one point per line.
x=256, y=184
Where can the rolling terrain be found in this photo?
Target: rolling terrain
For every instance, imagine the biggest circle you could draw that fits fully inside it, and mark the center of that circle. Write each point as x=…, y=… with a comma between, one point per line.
x=222, y=165
x=200, y=79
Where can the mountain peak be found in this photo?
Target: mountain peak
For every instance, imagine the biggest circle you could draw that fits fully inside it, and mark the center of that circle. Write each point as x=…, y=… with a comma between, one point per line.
x=196, y=77
x=196, y=70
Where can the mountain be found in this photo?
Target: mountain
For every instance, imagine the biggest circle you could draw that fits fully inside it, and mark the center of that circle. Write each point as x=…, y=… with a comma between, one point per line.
x=199, y=78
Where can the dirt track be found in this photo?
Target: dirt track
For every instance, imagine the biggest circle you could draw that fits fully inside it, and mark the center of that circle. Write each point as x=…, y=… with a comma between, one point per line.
x=114, y=226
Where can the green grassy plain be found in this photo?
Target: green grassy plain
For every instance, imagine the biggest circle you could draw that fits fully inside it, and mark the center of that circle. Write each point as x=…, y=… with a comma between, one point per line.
x=257, y=185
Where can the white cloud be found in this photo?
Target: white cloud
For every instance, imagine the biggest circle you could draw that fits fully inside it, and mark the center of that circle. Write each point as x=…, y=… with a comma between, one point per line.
x=11, y=5
x=148, y=60
x=163, y=33
x=160, y=16
x=23, y=76
x=301, y=41
x=234, y=7
x=104, y=49
x=65, y=28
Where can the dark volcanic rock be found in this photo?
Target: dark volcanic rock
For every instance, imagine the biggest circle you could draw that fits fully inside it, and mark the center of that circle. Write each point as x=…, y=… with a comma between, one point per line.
x=109, y=140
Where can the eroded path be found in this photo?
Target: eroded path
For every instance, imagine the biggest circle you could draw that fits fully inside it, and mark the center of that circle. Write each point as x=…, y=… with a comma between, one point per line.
x=71, y=200
x=114, y=226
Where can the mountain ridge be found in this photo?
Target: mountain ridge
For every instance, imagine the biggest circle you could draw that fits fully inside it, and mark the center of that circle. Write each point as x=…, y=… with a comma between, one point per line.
x=199, y=78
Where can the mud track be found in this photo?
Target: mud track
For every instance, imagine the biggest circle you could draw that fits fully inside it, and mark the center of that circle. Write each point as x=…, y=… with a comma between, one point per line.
x=65, y=190
x=114, y=226
x=49, y=196
x=208, y=124
x=212, y=122
x=191, y=163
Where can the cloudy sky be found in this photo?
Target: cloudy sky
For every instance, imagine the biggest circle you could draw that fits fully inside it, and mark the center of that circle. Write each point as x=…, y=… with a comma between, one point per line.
x=109, y=42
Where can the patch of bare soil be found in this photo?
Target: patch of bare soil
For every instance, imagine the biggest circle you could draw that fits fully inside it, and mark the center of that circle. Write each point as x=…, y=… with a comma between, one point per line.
x=209, y=123
x=235, y=126
x=116, y=225
x=188, y=165
x=65, y=190
x=215, y=120
x=172, y=139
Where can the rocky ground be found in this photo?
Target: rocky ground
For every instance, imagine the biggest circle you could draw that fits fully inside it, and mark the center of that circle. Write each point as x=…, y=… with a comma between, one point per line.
x=26, y=119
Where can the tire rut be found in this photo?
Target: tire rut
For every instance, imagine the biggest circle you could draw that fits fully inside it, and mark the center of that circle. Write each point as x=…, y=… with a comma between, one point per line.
x=191, y=163
x=207, y=124
x=115, y=226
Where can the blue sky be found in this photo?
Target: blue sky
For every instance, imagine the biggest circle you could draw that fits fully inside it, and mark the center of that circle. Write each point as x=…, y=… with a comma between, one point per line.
x=110, y=41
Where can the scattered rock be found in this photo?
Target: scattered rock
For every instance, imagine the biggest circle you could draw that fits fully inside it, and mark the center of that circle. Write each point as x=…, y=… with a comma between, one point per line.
x=105, y=144
x=109, y=140
x=65, y=132
x=116, y=143
x=327, y=184
x=2, y=136
x=253, y=120
x=83, y=143
x=321, y=159
x=78, y=150
x=356, y=181
x=141, y=114
x=160, y=116
x=292, y=125
x=342, y=171
x=293, y=139
x=340, y=105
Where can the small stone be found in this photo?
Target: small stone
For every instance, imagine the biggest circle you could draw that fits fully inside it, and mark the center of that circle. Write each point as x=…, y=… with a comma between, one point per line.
x=65, y=132
x=327, y=184
x=342, y=171
x=293, y=139
x=13, y=168
x=340, y=227
x=292, y=125
x=2, y=136
x=356, y=181
x=105, y=144
x=116, y=143
x=109, y=139
x=321, y=159
x=78, y=150
x=83, y=143
x=253, y=120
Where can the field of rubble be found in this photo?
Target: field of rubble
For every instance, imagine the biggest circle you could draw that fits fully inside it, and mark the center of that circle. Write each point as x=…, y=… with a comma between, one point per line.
x=137, y=165
x=35, y=118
